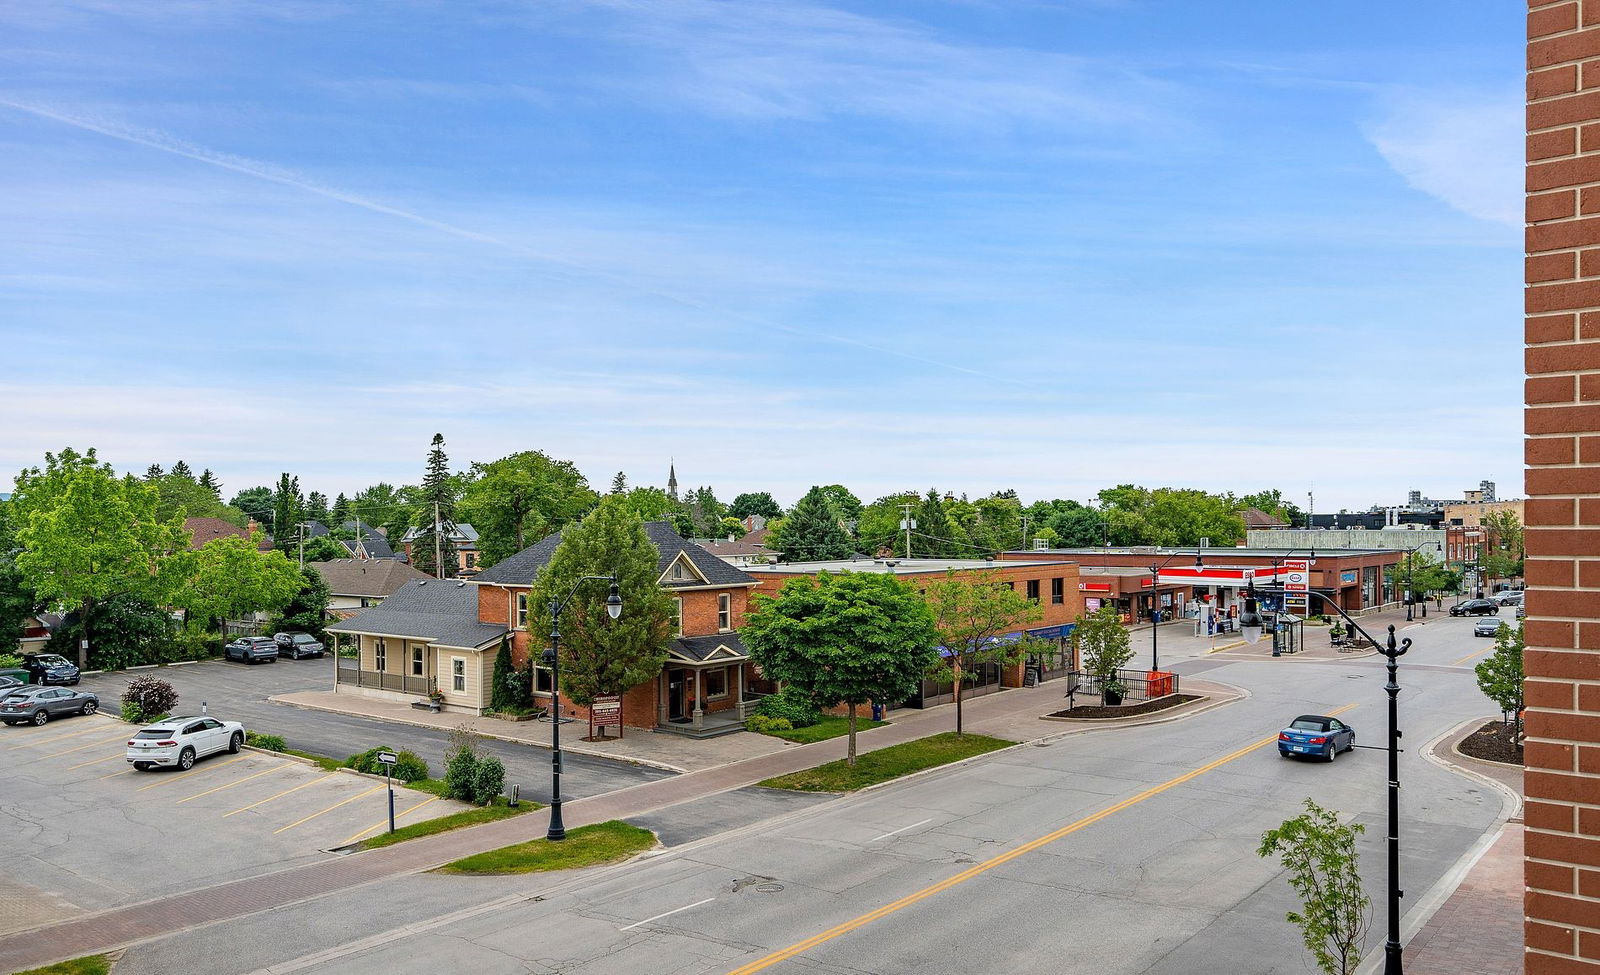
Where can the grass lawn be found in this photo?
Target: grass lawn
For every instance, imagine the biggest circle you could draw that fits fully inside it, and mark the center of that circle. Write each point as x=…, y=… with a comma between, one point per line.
x=443, y=824
x=888, y=763
x=586, y=846
x=831, y=726
x=87, y=965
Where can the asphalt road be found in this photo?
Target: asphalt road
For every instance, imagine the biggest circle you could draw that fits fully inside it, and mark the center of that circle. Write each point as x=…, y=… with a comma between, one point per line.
x=239, y=692
x=1120, y=851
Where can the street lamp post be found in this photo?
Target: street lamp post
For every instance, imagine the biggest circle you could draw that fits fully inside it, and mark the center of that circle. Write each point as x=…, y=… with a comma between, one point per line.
x=1250, y=626
x=1411, y=589
x=552, y=658
x=1155, y=603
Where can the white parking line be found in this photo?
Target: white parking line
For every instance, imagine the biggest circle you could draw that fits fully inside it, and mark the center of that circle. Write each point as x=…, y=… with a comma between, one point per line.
x=669, y=913
x=902, y=829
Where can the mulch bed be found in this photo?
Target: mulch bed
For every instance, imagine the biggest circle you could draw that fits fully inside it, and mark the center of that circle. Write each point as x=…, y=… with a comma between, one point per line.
x=1494, y=742
x=1126, y=710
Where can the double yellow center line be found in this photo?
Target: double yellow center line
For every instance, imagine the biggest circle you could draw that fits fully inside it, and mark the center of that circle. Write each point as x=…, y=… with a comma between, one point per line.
x=1004, y=858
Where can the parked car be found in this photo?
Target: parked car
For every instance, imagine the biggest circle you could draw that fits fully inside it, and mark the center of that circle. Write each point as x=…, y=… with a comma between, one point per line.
x=1475, y=607
x=1488, y=626
x=182, y=741
x=1522, y=611
x=252, y=650
x=38, y=704
x=297, y=645
x=49, y=668
x=9, y=684
x=1509, y=597
x=1316, y=734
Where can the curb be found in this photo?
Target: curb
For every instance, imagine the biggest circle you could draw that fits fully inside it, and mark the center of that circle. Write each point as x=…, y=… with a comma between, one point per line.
x=1227, y=646
x=1129, y=721
x=267, y=751
x=644, y=762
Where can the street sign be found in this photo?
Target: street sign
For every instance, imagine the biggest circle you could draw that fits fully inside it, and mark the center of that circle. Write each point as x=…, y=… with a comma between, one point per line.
x=1297, y=575
x=606, y=712
x=388, y=758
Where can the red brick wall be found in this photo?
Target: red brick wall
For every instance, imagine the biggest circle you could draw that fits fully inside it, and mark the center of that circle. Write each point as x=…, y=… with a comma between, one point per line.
x=1562, y=783
x=1069, y=610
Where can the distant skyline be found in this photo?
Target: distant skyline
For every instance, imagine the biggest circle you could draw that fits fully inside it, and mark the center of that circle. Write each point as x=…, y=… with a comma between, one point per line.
x=1048, y=246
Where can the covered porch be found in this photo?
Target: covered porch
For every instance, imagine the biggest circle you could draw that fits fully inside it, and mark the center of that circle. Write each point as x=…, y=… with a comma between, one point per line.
x=704, y=688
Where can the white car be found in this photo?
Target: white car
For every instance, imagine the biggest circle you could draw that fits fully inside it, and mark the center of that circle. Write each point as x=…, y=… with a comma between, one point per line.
x=180, y=741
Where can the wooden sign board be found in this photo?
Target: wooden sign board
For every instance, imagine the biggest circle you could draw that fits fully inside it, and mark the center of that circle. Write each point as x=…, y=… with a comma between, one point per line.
x=606, y=712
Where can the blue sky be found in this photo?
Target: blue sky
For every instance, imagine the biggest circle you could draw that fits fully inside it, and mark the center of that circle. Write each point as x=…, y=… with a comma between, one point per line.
x=1043, y=245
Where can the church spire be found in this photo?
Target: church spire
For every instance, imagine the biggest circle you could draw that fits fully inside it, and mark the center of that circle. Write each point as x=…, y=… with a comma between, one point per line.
x=672, y=480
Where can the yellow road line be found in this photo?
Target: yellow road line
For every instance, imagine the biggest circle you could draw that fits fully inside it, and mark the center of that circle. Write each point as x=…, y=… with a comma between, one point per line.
x=382, y=823
x=46, y=741
x=92, y=744
x=169, y=779
x=255, y=775
x=1469, y=656
x=260, y=802
x=95, y=761
x=115, y=774
x=327, y=810
x=1004, y=858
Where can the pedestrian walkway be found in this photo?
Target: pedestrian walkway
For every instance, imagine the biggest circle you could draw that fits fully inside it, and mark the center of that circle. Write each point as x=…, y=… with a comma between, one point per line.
x=1016, y=713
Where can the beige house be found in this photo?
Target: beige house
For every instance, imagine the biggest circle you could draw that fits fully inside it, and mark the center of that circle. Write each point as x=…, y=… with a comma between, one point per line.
x=357, y=584
x=425, y=636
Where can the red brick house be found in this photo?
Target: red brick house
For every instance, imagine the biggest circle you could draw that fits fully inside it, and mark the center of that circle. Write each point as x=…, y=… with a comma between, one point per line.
x=703, y=686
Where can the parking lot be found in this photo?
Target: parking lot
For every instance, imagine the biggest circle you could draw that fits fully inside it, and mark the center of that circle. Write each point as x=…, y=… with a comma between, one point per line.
x=87, y=832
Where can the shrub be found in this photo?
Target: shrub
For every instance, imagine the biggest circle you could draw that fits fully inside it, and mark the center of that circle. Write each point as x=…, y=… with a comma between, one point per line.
x=9, y=661
x=461, y=765
x=411, y=767
x=790, y=705
x=149, y=697
x=408, y=766
x=192, y=644
x=488, y=778
x=763, y=725
x=272, y=743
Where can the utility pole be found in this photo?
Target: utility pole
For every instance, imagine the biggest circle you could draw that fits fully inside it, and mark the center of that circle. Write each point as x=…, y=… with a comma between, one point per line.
x=908, y=523
x=300, y=530
x=1025, y=532
x=438, y=545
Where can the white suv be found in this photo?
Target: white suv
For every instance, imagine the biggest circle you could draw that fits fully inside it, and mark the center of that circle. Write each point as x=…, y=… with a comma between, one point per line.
x=179, y=741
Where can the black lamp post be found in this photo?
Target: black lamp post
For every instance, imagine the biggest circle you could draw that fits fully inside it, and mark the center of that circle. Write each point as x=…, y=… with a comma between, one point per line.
x=1155, y=602
x=552, y=659
x=1411, y=590
x=1250, y=626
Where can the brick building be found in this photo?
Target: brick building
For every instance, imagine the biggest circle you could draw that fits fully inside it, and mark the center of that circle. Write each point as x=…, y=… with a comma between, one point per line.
x=1562, y=423
x=1052, y=582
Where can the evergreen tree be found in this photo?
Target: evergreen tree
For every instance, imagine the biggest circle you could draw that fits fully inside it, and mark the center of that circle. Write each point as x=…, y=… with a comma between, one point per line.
x=208, y=481
x=503, y=690
x=932, y=538
x=154, y=472
x=287, y=511
x=180, y=469
x=317, y=507
x=431, y=550
x=812, y=531
x=340, y=513
x=599, y=655
x=619, y=483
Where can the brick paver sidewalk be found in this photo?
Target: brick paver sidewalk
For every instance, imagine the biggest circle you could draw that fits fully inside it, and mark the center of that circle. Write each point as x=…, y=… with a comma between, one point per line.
x=1478, y=931
x=1015, y=711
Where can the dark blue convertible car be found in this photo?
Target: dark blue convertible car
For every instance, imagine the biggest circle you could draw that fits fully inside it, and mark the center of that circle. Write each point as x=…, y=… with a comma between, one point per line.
x=1316, y=734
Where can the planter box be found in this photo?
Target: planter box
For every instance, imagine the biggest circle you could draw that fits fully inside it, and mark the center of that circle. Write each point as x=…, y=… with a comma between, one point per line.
x=425, y=706
x=510, y=717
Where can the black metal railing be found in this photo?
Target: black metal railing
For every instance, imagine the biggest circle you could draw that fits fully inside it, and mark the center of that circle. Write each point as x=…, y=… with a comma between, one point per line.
x=1134, y=685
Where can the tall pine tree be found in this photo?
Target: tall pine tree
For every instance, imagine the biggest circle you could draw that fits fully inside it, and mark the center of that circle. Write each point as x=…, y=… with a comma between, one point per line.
x=287, y=512
x=431, y=550
x=812, y=531
x=208, y=481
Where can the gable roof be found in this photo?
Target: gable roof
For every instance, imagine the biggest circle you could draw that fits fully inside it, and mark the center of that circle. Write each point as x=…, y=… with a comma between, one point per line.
x=701, y=649
x=1256, y=518
x=366, y=577
x=725, y=549
x=519, y=569
x=442, y=611
x=373, y=543
x=203, y=530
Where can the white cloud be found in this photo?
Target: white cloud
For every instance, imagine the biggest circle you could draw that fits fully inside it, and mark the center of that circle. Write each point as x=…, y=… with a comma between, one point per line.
x=1465, y=148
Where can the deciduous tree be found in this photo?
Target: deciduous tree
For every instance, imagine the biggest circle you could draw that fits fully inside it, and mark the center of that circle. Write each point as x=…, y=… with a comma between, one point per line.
x=519, y=499
x=1500, y=674
x=1320, y=854
x=1103, y=645
x=755, y=503
x=850, y=639
x=971, y=613
x=228, y=578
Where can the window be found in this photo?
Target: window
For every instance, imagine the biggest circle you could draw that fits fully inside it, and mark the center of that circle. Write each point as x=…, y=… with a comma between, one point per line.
x=471, y=558
x=678, y=575
x=716, y=683
x=541, y=680
x=724, y=612
x=677, y=616
x=1058, y=592
x=416, y=661
x=521, y=611
x=1033, y=590
x=458, y=675
x=380, y=655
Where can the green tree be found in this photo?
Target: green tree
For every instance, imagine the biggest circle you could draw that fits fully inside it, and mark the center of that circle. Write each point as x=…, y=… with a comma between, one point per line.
x=307, y=610
x=180, y=496
x=971, y=612
x=288, y=511
x=1272, y=502
x=650, y=503
x=154, y=472
x=601, y=656
x=933, y=537
x=123, y=631
x=340, y=512
x=706, y=511
x=431, y=550
x=382, y=506
x=846, y=504
x=18, y=602
x=1500, y=674
x=729, y=527
x=505, y=688
x=755, y=503
x=1070, y=524
x=1320, y=854
x=519, y=499
x=209, y=481
x=317, y=507
x=256, y=503
x=85, y=535
x=1103, y=646
x=1500, y=555
x=322, y=548
x=878, y=531
x=812, y=531
x=1169, y=516
x=619, y=483
x=850, y=639
x=228, y=578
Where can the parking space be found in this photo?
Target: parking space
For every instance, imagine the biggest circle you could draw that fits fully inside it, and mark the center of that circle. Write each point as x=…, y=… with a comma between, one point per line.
x=94, y=833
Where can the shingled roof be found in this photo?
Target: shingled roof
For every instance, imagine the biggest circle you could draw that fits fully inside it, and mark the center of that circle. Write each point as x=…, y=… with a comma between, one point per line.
x=366, y=577
x=520, y=569
x=442, y=611
x=203, y=530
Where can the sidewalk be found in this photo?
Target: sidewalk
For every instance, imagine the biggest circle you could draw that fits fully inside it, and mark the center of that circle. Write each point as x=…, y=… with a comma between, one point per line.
x=1014, y=713
x=675, y=753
